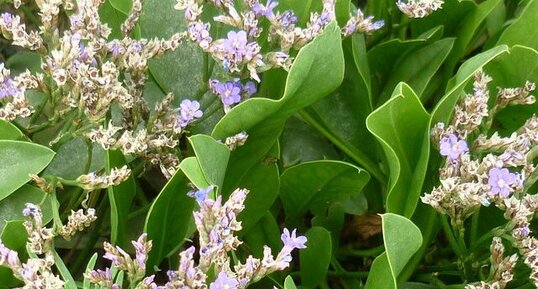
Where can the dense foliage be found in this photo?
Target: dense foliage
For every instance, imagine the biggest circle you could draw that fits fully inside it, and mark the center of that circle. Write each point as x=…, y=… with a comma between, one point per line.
x=288, y=144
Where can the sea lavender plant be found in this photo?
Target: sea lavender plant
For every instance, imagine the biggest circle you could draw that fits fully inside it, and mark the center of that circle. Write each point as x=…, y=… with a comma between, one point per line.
x=489, y=170
x=240, y=52
x=216, y=223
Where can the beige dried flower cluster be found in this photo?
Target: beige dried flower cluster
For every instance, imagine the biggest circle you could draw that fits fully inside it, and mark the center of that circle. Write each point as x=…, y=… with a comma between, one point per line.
x=92, y=181
x=77, y=221
x=501, y=267
x=468, y=182
x=37, y=271
x=494, y=169
x=419, y=8
x=85, y=76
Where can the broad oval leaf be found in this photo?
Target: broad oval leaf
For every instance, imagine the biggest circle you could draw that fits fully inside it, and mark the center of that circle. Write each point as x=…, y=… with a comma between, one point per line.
x=12, y=206
x=316, y=258
x=314, y=185
x=180, y=71
x=20, y=159
x=316, y=71
x=523, y=31
x=400, y=126
x=418, y=68
x=263, y=182
x=169, y=218
x=10, y=132
x=191, y=168
x=402, y=239
x=212, y=156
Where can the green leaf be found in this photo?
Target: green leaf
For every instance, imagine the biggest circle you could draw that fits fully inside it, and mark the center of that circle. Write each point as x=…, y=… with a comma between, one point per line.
x=314, y=185
x=169, y=218
x=443, y=109
x=191, y=168
x=350, y=104
x=120, y=197
x=263, y=182
x=382, y=57
x=19, y=160
x=523, y=31
x=380, y=8
x=316, y=71
x=397, y=125
x=469, y=27
x=122, y=5
x=12, y=206
x=71, y=160
x=513, y=70
x=113, y=17
x=343, y=11
x=265, y=233
x=301, y=143
x=64, y=272
x=289, y=284
x=212, y=156
x=316, y=258
x=181, y=71
x=418, y=68
x=14, y=236
x=401, y=239
x=450, y=17
x=91, y=264
x=23, y=60
x=10, y=132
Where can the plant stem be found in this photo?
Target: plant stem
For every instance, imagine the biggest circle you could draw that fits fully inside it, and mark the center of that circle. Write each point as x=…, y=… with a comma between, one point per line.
x=450, y=236
x=372, y=252
x=354, y=154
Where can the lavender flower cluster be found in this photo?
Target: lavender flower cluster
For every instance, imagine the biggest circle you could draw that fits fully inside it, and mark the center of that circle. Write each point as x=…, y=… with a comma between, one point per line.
x=85, y=76
x=216, y=223
x=482, y=169
x=240, y=52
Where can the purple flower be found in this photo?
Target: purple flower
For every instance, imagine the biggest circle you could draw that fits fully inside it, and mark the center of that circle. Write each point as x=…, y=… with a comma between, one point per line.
x=249, y=89
x=8, y=257
x=229, y=92
x=266, y=10
x=236, y=43
x=292, y=241
x=223, y=281
x=30, y=210
x=201, y=195
x=7, y=18
x=199, y=32
x=141, y=247
x=8, y=88
x=502, y=181
x=116, y=48
x=188, y=111
x=287, y=18
x=452, y=147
